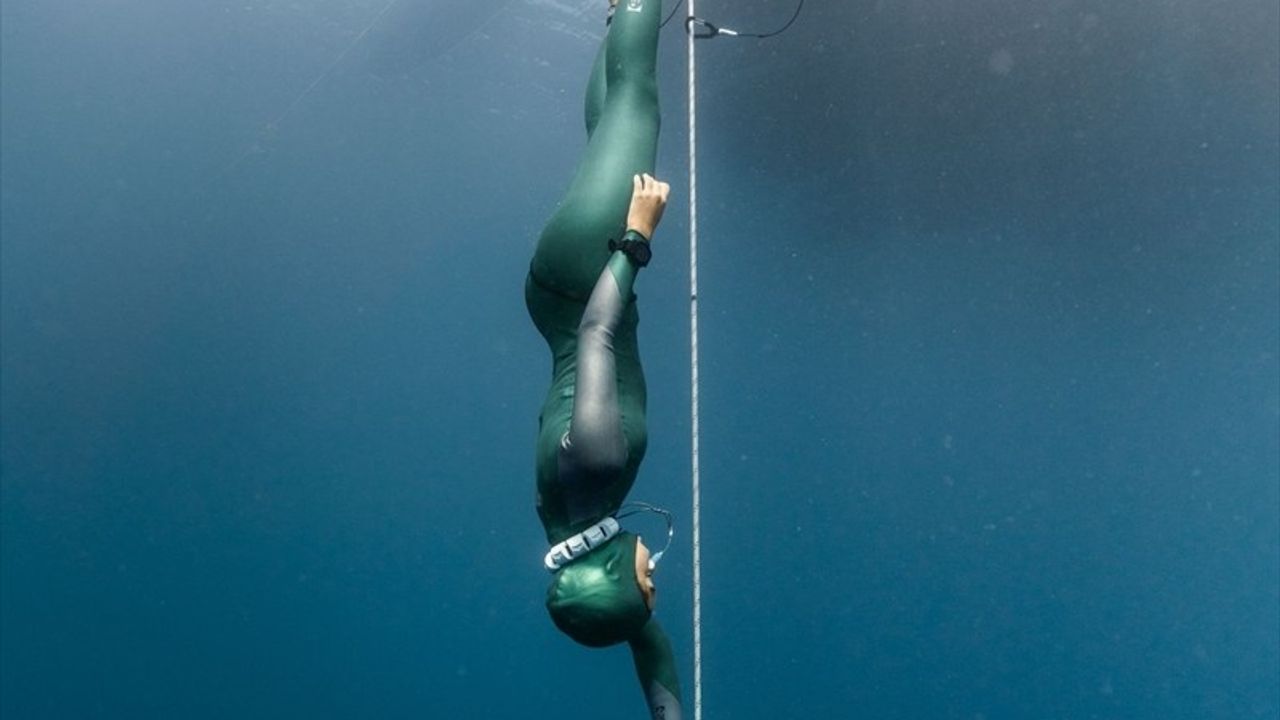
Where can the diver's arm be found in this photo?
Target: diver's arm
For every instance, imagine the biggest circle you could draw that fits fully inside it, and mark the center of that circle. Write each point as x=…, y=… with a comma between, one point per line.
x=595, y=441
x=656, y=668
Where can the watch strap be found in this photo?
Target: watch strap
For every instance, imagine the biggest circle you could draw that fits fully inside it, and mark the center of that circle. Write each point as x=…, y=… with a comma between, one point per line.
x=635, y=246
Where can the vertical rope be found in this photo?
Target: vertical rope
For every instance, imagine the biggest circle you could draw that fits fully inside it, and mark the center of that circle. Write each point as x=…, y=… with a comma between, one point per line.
x=693, y=375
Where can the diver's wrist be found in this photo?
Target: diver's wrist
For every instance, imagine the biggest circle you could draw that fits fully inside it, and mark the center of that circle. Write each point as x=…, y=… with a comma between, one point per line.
x=635, y=246
x=634, y=234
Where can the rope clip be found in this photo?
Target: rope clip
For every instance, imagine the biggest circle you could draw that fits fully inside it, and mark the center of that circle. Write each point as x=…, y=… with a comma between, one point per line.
x=702, y=30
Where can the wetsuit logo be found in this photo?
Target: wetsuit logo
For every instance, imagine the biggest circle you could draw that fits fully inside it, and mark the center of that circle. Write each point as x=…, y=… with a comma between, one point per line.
x=635, y=5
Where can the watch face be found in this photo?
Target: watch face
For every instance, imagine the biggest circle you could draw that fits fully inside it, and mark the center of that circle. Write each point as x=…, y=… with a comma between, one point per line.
x=641, y=251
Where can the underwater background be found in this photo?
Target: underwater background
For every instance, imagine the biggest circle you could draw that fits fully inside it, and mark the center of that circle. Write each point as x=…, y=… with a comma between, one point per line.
x=990, y=310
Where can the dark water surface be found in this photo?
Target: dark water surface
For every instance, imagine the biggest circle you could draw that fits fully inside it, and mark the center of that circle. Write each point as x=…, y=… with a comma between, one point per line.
x=991, y=391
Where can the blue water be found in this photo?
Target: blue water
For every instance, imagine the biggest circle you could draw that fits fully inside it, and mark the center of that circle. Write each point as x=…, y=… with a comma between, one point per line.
x=990, y=299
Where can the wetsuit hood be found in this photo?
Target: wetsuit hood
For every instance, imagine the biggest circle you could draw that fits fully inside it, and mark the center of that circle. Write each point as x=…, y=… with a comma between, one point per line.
x=596, y=600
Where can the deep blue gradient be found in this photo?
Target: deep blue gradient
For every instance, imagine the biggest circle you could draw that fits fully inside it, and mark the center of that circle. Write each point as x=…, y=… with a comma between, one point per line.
x=991, y=359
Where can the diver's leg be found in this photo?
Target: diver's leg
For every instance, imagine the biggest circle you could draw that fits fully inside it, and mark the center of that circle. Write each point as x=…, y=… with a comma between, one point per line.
x=574, y=245
x=571, y=255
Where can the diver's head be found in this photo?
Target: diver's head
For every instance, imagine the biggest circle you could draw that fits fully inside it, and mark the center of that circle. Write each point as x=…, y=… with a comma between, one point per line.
x=601, y=599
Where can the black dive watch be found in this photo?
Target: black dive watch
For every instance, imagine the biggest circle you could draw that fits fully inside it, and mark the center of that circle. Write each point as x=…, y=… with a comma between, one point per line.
x=635, y=246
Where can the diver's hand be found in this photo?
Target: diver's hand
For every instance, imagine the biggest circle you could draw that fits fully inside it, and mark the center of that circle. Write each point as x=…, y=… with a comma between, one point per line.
x=648, y=200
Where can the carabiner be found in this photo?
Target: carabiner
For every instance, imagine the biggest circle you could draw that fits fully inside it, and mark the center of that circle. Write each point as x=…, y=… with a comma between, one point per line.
x=704, y=31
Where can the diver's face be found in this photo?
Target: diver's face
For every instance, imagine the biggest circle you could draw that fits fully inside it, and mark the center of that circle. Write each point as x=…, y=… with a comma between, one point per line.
x=644, y=576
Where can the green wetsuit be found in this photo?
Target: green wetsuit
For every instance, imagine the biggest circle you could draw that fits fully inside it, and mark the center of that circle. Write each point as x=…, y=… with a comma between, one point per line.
x=592, y=435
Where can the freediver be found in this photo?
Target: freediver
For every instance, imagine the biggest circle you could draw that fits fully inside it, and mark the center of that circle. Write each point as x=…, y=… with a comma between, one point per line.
x=592, y=433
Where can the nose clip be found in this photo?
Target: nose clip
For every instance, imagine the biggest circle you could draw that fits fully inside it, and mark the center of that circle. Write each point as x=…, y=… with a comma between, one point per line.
x=638, y=507
x=653, y=560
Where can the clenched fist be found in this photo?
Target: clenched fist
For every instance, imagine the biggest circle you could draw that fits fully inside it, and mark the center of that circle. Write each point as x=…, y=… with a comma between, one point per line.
x=648, y=200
